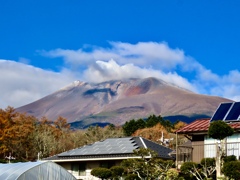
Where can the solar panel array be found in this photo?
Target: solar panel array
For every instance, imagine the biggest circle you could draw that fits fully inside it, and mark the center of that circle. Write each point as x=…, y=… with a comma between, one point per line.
x=221, y=111
x=227, y=112
x=108, y=146
x=234, y=112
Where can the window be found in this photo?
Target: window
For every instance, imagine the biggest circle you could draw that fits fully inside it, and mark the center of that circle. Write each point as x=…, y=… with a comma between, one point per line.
x=82, y=169
x=78, y=169
x=107, y=164
x=232, y=146
x=210, y=147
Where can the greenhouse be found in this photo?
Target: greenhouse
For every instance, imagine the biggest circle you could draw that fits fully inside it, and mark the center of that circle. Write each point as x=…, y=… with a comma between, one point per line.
x=34, y=171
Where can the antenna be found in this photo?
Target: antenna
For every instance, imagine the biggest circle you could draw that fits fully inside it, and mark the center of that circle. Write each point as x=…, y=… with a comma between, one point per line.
x=9, y=158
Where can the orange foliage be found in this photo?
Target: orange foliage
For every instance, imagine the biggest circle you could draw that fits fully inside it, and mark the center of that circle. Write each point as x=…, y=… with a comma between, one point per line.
x=179, y=125
x=154, y=133
x=28, y=138
x=16, y=130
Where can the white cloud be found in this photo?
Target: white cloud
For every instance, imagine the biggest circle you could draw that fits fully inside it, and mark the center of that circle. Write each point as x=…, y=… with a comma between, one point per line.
x=230, y=85
x=146, y=59
x=22, y=84
x=104, y=71
x=140, y=54
x=145, y=53
x=130, y=60
x=207, y=82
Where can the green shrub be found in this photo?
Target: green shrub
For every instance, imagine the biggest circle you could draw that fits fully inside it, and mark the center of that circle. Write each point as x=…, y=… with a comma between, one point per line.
x=117, y=171
x=229, y=158
x=102, y=173
x=172, y=174
x=219, y=130
x=3, y=161
x=231, y=169
x=189, y=176
x=208, y=162
x=187, y=167
x=209, y=167
x=181, y=178
x=132, y=177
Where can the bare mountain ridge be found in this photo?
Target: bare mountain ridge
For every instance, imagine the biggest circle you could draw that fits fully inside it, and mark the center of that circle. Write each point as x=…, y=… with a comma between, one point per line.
x=119, y=101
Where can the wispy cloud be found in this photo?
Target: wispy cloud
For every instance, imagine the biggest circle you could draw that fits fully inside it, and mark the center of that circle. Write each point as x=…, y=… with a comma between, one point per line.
x=146, y=59
x=125, y=60
x=140, y=54
x=22, y=83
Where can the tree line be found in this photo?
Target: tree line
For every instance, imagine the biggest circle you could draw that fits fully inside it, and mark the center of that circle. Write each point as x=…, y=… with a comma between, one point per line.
x=133, y=125
x=27, y=138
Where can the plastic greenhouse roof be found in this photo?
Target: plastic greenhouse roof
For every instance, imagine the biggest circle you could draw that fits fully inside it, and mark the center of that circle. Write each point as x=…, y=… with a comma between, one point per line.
x=34, y=170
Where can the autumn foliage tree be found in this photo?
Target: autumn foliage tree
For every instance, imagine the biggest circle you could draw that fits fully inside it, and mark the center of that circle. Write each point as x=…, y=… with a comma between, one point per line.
x=16, y=133
x=27, y=138
x=153, y=133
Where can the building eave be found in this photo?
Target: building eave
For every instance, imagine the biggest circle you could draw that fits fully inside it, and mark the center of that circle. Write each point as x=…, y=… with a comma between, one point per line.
x=96, y=159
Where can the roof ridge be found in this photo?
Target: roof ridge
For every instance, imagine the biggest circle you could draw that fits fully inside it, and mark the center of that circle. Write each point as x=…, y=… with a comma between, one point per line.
x=156, y=143
x=145, y=146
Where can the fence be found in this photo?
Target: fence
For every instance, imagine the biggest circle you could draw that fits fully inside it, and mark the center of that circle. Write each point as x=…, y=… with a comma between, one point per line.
x=198, y=150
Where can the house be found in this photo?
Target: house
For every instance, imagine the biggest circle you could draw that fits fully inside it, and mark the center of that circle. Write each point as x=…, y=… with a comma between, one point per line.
x=200, y=145
x=107, y=153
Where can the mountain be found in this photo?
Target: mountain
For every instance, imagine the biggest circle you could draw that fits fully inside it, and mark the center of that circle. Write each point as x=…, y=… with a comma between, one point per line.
x=116, y=102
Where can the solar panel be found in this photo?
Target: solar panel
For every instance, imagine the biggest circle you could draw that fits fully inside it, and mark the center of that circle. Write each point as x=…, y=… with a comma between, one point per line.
x=234, y=112
x=221, y=111
x=108, y=146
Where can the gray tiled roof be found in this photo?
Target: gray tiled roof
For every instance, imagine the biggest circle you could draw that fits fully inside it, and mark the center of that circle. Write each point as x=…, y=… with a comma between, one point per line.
x=162, y=151
x=113, y=147
x=108, y=146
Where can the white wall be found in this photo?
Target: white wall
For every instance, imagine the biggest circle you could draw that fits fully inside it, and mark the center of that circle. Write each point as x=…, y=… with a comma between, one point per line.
x=232, y=146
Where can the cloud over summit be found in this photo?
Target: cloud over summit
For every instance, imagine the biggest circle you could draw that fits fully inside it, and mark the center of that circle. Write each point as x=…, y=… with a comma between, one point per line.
x=140, y=54
x=23, y=83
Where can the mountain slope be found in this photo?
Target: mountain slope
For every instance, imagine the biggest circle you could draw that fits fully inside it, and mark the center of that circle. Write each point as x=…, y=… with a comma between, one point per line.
x=119, y=101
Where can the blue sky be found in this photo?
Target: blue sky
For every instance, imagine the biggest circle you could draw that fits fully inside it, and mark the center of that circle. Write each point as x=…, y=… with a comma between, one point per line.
x=46, y=45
